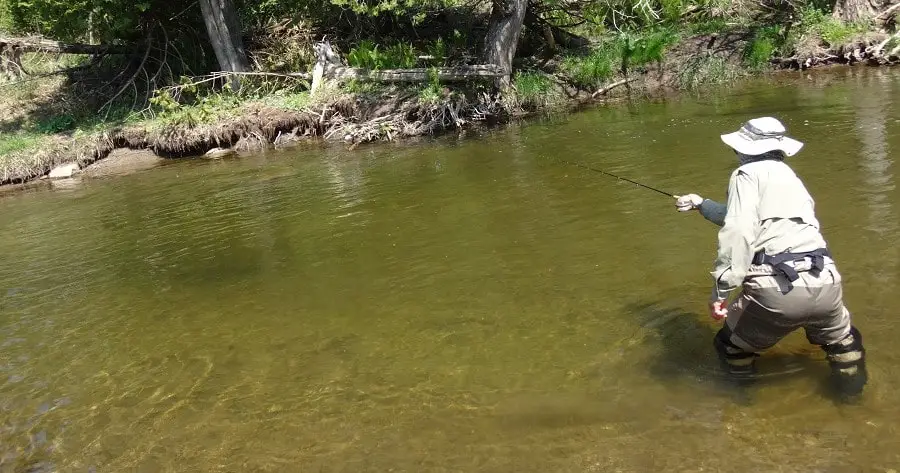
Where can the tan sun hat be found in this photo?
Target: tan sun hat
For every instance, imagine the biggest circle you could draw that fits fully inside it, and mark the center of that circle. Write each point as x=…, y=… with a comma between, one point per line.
x=761, y=135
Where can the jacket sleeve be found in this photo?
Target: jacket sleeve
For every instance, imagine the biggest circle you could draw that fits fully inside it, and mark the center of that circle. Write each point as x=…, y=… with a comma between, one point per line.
x=737, y=235
x=713, y=211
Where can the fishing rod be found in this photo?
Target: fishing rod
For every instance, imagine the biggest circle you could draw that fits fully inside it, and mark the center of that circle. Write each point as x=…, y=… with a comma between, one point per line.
x=667, y=194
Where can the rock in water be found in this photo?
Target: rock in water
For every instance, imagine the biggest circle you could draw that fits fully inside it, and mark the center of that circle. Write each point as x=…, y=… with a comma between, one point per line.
x=216, y=153
x=64, y=171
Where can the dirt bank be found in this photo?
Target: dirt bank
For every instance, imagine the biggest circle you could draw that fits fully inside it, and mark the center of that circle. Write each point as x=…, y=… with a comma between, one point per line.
x=394, y=114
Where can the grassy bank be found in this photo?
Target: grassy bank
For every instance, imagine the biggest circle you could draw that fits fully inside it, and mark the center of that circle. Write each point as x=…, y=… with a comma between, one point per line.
x=47, y=119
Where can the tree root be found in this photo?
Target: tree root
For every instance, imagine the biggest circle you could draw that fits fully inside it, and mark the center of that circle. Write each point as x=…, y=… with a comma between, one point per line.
x=860, y=52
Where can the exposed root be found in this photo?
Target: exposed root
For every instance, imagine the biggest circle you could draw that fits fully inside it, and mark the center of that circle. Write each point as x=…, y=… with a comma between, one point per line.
x=871, y=50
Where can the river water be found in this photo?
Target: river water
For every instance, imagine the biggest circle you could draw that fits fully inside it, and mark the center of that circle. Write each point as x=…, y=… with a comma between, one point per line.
x=455, y=305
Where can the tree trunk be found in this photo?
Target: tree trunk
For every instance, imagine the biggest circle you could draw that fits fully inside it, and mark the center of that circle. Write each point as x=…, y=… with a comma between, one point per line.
x=10, y=61
x=224, y=32
x=553, y=34
x=503, y=36
x=854, y=11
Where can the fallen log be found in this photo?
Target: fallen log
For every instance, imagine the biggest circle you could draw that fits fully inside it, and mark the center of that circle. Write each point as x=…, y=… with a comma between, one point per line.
x=330, y=67
x=43, y=45
x=422, y=74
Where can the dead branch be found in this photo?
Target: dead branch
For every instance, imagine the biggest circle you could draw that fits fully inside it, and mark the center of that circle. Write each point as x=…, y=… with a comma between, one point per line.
x=887, y=12
x=609, y=87
x=131, y=81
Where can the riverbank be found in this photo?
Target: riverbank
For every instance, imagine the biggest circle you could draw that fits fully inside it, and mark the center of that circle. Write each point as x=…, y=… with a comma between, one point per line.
x=220, y=124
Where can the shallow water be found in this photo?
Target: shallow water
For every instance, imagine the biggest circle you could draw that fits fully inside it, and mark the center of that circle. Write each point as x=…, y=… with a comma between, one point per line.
x=458, y=305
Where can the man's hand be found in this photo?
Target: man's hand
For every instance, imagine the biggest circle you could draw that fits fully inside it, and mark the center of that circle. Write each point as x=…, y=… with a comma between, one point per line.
x=688, y=202
x=718, y=310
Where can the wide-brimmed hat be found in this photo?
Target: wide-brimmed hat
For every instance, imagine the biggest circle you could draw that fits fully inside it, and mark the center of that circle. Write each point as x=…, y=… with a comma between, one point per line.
x=761, y=135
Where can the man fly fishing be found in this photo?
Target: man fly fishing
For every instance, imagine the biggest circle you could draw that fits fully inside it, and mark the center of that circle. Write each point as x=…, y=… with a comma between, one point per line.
x=770, y=245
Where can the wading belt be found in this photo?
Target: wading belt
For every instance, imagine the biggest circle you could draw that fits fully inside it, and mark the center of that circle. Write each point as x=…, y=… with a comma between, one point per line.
x=779, y=262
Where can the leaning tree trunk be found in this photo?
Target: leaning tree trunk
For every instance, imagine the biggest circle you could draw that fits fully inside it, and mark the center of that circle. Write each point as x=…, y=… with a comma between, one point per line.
x=224, y=32
x=503, y=36
x=856, y=11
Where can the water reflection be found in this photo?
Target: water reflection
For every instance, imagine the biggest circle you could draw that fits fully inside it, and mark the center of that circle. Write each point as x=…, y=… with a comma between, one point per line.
x=475, y=308
x=873, y=112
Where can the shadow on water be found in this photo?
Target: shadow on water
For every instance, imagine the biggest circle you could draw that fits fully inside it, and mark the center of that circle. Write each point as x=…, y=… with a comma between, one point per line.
x=684, y=352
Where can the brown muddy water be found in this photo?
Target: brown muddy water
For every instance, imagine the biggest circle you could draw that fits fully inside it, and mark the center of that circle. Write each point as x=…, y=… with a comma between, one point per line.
x=459, y=305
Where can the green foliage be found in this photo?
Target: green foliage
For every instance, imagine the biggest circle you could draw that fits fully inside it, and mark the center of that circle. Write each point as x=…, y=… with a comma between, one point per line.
x=6, y=21
x=364, y=55
x=396, y=7
x=706, y=69
x=535, y=90
x=399, y=56
x=287, y=100
x=637, y=49
x=368, y=55
x=438, y=51
x=15, y=142
x=626, y=49
x=432, y=93
x=592, y=70
x=67, y=20
x=531, y=85
x=56, y=124
x=634, y=15
x=707, y=26
x=207, y=106
x=816, y=21
x=763, y=46
x=354, y=86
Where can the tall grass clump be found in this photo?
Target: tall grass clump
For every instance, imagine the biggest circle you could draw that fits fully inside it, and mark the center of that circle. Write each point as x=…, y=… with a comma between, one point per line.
x=535, y=91
x=762, y=47
x=592, y=70
x=618, y=54
x=706, y=69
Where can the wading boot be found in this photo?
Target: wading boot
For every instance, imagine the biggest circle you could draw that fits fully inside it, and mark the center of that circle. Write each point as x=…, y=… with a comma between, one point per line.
x=739, y=364
x=847, y=359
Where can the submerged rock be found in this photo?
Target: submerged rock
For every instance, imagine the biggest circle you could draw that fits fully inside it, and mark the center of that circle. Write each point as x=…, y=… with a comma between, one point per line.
x=65, y=171
x=216, y=153
x=123, y=161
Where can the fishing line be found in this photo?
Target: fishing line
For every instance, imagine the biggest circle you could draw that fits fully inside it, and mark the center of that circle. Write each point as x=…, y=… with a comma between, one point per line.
x=667, y=194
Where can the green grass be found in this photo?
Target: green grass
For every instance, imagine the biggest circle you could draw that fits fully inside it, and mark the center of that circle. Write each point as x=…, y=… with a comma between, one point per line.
x=21, y=156
x=287, y=100
x=18, y=142
x=369, y=55
x=432, y=93
x=835, y=32
x=635, y=49
x=707, y=26
x=592, y=70
x=762, y=48
x=535, y=90
x=706, y=69
x=818, y=23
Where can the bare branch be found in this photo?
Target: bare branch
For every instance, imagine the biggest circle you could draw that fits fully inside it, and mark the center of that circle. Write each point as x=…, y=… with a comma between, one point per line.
x=609, y=87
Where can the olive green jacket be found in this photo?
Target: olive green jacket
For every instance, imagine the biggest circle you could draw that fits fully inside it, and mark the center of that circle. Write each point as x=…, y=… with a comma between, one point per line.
x=768, y=208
